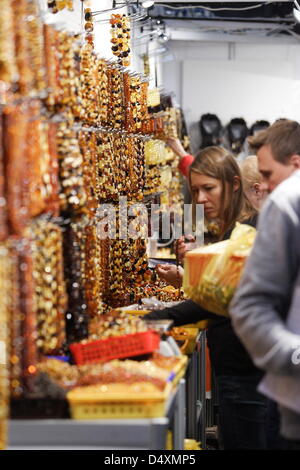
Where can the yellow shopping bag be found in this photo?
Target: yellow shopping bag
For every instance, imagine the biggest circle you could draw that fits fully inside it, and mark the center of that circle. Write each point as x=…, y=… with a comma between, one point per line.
x=212, y=273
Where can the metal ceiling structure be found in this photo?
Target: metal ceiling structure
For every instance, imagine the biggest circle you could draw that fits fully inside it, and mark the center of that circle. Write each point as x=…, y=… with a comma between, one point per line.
x=269, y=21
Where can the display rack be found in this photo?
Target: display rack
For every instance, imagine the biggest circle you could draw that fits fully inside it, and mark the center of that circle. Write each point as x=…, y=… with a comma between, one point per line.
x=196, y=392
x=120, y=434
x=185, y=416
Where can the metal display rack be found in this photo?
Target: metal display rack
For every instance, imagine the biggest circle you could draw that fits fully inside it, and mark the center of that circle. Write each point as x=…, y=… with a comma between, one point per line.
x=121, y=434
x=185, y=417
x=196, y=392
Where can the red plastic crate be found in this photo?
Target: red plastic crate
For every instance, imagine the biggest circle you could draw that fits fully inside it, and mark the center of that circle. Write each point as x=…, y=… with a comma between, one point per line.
x=117, y=347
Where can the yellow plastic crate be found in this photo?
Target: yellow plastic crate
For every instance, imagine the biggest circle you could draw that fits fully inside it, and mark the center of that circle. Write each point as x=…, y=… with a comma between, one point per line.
x=137, y=312
x=117, y=410
x=201, y=325
x=115, y=406
x=191, y=444
x=189, y=339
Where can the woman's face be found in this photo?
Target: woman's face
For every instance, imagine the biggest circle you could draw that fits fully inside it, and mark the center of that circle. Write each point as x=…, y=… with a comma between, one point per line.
x=207, y=191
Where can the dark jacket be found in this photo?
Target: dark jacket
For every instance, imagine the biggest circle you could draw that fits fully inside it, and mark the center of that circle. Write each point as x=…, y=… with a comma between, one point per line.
x=228, y=355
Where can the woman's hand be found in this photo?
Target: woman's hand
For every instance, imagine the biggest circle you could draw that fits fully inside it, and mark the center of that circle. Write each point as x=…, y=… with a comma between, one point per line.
x=181, y=247
x=176, y=146
x=170, y=274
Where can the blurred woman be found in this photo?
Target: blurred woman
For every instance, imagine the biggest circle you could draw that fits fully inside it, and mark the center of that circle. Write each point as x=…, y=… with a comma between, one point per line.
x=251, y=177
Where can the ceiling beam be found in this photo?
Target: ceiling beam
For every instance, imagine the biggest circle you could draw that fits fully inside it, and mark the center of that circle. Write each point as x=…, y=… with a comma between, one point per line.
x=193, y=35
x=213, y=1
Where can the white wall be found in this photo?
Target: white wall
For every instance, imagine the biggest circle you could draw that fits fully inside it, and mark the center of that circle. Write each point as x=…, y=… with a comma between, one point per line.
x=74, y=22
x=68, y=20
x=253, y=81
x=252, y=89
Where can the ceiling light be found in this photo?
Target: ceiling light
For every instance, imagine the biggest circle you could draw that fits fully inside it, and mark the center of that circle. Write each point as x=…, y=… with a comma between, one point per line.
x=147, y=3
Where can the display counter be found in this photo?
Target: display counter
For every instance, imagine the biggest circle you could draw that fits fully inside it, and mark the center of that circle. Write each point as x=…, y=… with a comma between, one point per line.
x=120, y=434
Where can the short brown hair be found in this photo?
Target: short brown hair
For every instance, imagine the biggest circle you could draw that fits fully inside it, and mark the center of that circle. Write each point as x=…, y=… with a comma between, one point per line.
x=283, y=137
x=218, y=163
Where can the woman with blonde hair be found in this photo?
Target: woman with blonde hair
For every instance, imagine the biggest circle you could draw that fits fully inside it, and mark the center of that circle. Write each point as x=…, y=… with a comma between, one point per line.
x=255, y=196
